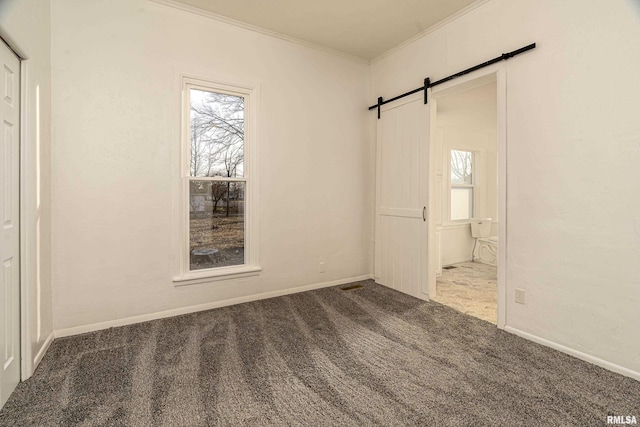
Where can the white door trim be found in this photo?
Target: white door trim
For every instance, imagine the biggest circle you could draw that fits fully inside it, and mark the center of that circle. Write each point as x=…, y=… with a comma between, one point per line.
x=433, y=244
x=11, y=371
x=25, y=165
x=500, y=72
x=26, y=365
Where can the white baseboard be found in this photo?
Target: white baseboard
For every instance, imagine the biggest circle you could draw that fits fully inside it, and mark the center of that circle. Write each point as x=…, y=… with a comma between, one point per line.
x=43, y=350
x=575, y=353
x=59, y=333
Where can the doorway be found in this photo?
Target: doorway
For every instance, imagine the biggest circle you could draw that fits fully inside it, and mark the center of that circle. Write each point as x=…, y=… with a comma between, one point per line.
x=10, y=222
x=466, y=177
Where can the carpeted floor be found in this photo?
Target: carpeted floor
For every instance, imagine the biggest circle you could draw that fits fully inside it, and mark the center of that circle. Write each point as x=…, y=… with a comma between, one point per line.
x=367, y=356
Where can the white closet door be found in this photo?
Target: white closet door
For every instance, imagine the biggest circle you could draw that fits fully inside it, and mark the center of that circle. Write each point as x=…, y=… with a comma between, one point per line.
x=9, y=223
x=401, y=196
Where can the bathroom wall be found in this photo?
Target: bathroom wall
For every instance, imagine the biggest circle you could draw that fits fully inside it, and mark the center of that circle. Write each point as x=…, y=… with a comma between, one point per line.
x=466, y=120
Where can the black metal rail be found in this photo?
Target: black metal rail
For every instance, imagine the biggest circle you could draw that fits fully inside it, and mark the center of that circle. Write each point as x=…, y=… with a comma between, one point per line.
x=428, y=83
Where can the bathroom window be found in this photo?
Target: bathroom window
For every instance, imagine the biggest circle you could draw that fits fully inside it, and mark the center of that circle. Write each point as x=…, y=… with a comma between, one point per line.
x=462, y=185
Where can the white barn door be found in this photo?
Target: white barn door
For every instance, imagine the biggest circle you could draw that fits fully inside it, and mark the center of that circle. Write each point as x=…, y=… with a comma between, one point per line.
x=402, y=195
x=9, y=222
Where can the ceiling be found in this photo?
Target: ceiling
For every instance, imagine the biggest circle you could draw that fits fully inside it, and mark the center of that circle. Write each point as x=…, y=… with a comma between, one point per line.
x=362, y=28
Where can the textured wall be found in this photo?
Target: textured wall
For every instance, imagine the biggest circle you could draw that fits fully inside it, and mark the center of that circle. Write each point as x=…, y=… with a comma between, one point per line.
x=116, y=132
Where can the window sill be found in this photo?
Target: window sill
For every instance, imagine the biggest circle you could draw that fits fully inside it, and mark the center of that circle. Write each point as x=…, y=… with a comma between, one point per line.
x=224, y=273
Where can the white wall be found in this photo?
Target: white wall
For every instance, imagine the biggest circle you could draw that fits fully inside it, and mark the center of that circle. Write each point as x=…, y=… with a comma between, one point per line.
x=573, y=150
x=457, y=243
x=25, y=25
x=467, y=120
x=116, y=141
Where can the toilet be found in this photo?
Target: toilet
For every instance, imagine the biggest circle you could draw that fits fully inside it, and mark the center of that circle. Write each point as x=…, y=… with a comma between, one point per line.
x=485, y=248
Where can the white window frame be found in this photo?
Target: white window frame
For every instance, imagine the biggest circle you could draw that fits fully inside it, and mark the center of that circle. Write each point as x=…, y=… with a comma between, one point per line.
x=472, y=186
x=251, y=265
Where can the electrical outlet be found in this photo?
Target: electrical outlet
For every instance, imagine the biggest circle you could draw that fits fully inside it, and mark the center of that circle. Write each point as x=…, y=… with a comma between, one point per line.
x=520, y=294
x=321, y=266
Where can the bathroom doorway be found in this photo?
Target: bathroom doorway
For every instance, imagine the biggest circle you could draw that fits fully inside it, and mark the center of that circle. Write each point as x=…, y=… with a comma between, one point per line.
x=466, y=196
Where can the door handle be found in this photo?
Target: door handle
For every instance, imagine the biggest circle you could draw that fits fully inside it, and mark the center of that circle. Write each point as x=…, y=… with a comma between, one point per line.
x=424, y=213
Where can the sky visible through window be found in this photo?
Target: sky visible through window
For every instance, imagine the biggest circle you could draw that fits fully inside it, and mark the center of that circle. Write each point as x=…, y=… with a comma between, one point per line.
x=217, y=134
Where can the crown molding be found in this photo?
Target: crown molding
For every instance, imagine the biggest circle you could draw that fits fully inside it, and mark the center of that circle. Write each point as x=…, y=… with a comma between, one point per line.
x=459, y=14
x=230, y=21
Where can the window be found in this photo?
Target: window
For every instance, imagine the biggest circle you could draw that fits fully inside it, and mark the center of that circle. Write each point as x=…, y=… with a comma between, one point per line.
x=219, y=221
x=462, y=185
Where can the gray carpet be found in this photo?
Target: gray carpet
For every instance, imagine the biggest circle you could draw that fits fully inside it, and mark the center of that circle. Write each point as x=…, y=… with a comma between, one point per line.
x=367, y=356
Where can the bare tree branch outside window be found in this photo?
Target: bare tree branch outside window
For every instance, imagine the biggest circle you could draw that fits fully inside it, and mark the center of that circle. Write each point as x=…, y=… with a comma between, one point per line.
x=217, y=132
x=461, y=167
x=462, y=191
